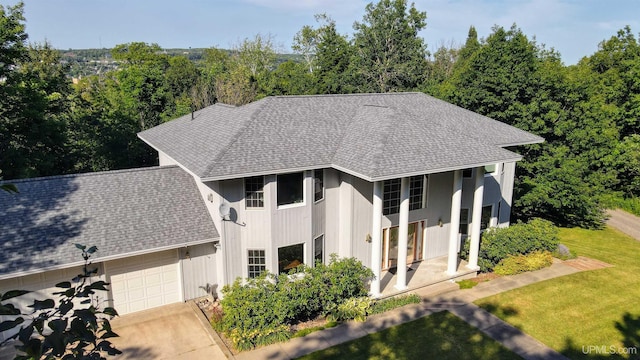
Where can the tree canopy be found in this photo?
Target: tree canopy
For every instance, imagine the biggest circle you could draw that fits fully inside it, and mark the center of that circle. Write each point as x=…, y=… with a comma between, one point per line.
x=588, y=113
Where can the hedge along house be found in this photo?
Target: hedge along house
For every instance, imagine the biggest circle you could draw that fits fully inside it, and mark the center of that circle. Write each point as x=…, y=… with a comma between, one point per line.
x=391, y=179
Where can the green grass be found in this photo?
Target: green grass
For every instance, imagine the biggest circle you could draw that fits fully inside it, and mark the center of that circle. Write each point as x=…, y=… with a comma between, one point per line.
x=597, y=307
x=467, y=284
x=439, y=336
x=631, y=205
x=384, y=305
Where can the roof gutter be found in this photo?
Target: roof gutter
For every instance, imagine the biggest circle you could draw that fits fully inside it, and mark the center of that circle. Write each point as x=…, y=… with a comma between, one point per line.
x=106, y=258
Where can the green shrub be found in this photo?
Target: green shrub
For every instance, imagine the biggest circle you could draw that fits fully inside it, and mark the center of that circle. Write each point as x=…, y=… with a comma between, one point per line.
x=518, y=239
x=257, y=311
x=352, y=309
x=522, y=263
x=385, y=305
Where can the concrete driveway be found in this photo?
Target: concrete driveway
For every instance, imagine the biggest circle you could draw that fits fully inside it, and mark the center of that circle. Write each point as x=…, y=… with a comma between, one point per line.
x=176, y=331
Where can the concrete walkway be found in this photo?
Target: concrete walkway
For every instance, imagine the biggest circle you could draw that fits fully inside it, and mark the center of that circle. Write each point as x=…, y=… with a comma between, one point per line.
x=458, y=302
x=625, y=222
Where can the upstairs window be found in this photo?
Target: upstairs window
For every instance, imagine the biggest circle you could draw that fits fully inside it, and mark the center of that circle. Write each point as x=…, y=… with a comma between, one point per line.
x=290, y=189
x=391, y=195
x=318, y=185
x=490, y=169
x=254, y=192
x=416, y=192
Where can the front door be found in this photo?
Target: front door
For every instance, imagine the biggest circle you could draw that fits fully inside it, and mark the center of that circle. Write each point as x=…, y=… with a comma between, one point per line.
x=390, y=246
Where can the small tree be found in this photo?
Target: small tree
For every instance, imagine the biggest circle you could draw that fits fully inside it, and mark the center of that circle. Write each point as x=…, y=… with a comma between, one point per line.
x=74, y=327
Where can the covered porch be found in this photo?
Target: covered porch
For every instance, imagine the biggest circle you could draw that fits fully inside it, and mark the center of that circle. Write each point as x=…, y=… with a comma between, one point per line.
x=406, y=275
x=422, y=274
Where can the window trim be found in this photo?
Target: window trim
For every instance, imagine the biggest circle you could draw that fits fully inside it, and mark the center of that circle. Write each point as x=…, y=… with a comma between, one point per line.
x=315, y=171
x=258, y=192
x=249, y=264
x=304, y=191
x=321, y=236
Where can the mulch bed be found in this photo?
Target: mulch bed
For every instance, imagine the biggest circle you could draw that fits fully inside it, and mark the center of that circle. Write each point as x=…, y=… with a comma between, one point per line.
x=482, y=277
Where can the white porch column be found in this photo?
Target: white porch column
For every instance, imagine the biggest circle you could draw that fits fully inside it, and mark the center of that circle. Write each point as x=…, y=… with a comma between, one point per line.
x=403, y=229
x=476, y=216
x=376, y=238
x=456, y=199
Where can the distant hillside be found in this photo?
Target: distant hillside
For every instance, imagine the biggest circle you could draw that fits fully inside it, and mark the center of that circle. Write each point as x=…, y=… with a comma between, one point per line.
x=85, y=62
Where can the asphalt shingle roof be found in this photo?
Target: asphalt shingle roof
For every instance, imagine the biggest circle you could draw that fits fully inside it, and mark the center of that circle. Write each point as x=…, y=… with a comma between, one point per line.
x=123, y=213
x=374, y=136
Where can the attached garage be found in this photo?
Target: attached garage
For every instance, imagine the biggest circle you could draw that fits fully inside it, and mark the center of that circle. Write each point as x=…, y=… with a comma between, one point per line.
x=145, y=281
x=140, y=220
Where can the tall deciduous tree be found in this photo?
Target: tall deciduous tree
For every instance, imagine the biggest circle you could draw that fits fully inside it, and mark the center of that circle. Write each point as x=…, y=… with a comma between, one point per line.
x=33, y=102
x=389, y=54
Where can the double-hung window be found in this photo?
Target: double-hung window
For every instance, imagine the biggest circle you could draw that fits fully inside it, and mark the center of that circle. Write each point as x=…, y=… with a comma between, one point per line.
x=257, y=263
x=254, y=192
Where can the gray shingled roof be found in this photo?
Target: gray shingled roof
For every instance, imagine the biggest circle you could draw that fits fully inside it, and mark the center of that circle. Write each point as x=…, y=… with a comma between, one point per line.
x=373, y=136
x=123, y=213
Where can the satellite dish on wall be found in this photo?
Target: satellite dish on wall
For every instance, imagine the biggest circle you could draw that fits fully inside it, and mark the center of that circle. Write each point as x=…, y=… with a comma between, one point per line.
x=225, y=211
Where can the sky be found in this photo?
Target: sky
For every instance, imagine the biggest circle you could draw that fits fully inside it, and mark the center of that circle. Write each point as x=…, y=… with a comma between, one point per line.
x=572, y=27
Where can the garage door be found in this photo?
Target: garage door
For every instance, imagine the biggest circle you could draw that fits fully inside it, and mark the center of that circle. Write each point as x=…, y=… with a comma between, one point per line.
x=145, y=281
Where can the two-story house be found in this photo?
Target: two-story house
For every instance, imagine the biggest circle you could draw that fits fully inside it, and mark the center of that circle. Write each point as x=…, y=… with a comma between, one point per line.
x=396, y=180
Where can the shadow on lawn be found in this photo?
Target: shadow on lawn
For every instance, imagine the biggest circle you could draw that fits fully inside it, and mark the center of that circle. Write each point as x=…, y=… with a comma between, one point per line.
x=629, y=327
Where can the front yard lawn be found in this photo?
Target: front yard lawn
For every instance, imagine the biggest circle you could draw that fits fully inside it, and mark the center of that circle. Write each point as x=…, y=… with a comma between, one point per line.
x=586, y=315
x=439, y=336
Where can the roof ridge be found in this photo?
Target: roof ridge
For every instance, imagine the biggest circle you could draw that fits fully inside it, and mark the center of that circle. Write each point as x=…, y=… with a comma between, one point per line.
x=233, y=139
x=88, y=174
x=342, y=95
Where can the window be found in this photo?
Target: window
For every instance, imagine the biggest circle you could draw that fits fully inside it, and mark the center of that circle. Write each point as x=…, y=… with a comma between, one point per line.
x=489, y=169
x=416, y=190
x=290, y=257
x=257, y=263
x=290, y=189
x=464, y=222
x=318, y=185
x=467, y=173
x=318, y=250
x=485, y=219
x=254, y=192
x=391, y=195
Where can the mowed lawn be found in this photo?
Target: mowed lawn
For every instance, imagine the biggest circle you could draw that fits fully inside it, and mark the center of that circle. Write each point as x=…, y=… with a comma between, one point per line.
x=589, y=315
x=438, y=336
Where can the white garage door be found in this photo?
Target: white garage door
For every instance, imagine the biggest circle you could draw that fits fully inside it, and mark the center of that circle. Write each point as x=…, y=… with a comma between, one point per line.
x=42, y=285
x=145, y=281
